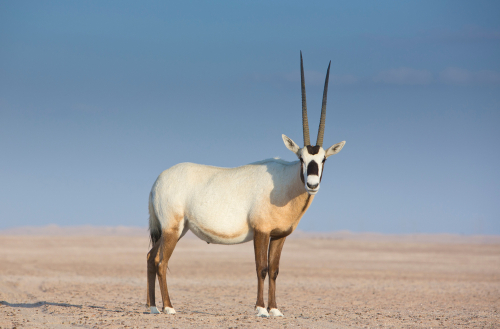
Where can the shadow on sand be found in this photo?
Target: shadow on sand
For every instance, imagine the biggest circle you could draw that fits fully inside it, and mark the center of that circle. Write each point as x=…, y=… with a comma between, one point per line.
x=37, y=304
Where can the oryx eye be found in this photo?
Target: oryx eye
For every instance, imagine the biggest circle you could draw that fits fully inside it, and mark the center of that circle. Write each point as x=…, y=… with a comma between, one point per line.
x=324, y=159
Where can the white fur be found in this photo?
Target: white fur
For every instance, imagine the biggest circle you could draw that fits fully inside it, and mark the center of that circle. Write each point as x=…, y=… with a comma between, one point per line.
x=334, y=149
x=262, y=312
x=168, y=310
x=290, y=144
x=275, y=312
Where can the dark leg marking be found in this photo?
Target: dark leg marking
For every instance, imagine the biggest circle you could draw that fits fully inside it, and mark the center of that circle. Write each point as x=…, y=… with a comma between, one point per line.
x=263, y=273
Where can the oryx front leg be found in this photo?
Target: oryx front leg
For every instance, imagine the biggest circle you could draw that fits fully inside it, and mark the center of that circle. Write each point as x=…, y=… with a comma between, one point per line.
x=275, y=247
x=260, y=245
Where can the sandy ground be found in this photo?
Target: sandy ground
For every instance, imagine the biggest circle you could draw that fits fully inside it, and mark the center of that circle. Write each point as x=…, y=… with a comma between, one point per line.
x=97, y=279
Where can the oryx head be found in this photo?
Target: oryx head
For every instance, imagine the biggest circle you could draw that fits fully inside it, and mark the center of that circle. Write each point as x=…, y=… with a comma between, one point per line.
x=312, y=158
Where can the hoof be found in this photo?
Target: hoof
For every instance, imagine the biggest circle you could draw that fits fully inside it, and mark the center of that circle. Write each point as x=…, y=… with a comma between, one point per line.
x=154, y=310
x=262, y=312
x=275, y=312
x=168, y=310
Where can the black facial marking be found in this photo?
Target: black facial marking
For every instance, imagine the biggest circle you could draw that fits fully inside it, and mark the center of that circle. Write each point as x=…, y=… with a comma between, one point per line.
x=312, y=168
x=312, y=150
x=302, y=171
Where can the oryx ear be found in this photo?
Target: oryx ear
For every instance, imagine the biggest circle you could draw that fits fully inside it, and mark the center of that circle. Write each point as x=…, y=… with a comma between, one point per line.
x=334, y=149
x=290, y=144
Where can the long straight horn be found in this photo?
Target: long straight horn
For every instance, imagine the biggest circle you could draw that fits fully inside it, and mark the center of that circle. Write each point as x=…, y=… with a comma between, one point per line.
x=305, y=123
x=321, y=130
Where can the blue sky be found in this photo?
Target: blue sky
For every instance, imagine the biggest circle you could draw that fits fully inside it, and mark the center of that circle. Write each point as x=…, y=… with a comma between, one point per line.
x=97, y=98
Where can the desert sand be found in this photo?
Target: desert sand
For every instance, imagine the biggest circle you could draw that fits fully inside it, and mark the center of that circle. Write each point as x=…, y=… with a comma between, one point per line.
x=96, y=278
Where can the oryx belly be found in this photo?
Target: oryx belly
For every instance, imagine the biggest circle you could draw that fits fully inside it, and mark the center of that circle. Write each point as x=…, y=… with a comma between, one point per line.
x=219, y=237
x=219, y=215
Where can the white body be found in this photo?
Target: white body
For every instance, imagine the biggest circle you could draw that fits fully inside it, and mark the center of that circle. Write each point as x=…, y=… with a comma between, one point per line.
x=225, y=205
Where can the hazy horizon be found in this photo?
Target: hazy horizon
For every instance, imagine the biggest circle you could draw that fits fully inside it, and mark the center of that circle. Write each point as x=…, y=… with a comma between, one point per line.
x=98, y=98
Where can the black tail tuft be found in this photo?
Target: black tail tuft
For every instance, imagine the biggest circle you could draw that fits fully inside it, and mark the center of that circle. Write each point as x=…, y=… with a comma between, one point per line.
x=155, y=236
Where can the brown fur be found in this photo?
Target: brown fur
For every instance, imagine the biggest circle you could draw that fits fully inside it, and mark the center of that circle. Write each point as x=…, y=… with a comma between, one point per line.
x=260, y=245
x=158, y=258
x=275, y=247
x=307, y=204
x=281, y=218
x=150, y=293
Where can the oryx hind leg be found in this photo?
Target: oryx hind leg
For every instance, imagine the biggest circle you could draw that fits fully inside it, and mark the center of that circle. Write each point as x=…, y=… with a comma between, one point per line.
x=152, y=269
x=167, y=245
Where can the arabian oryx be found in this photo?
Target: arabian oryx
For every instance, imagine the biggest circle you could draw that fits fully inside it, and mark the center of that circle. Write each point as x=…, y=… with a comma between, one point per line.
x=262, y=201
